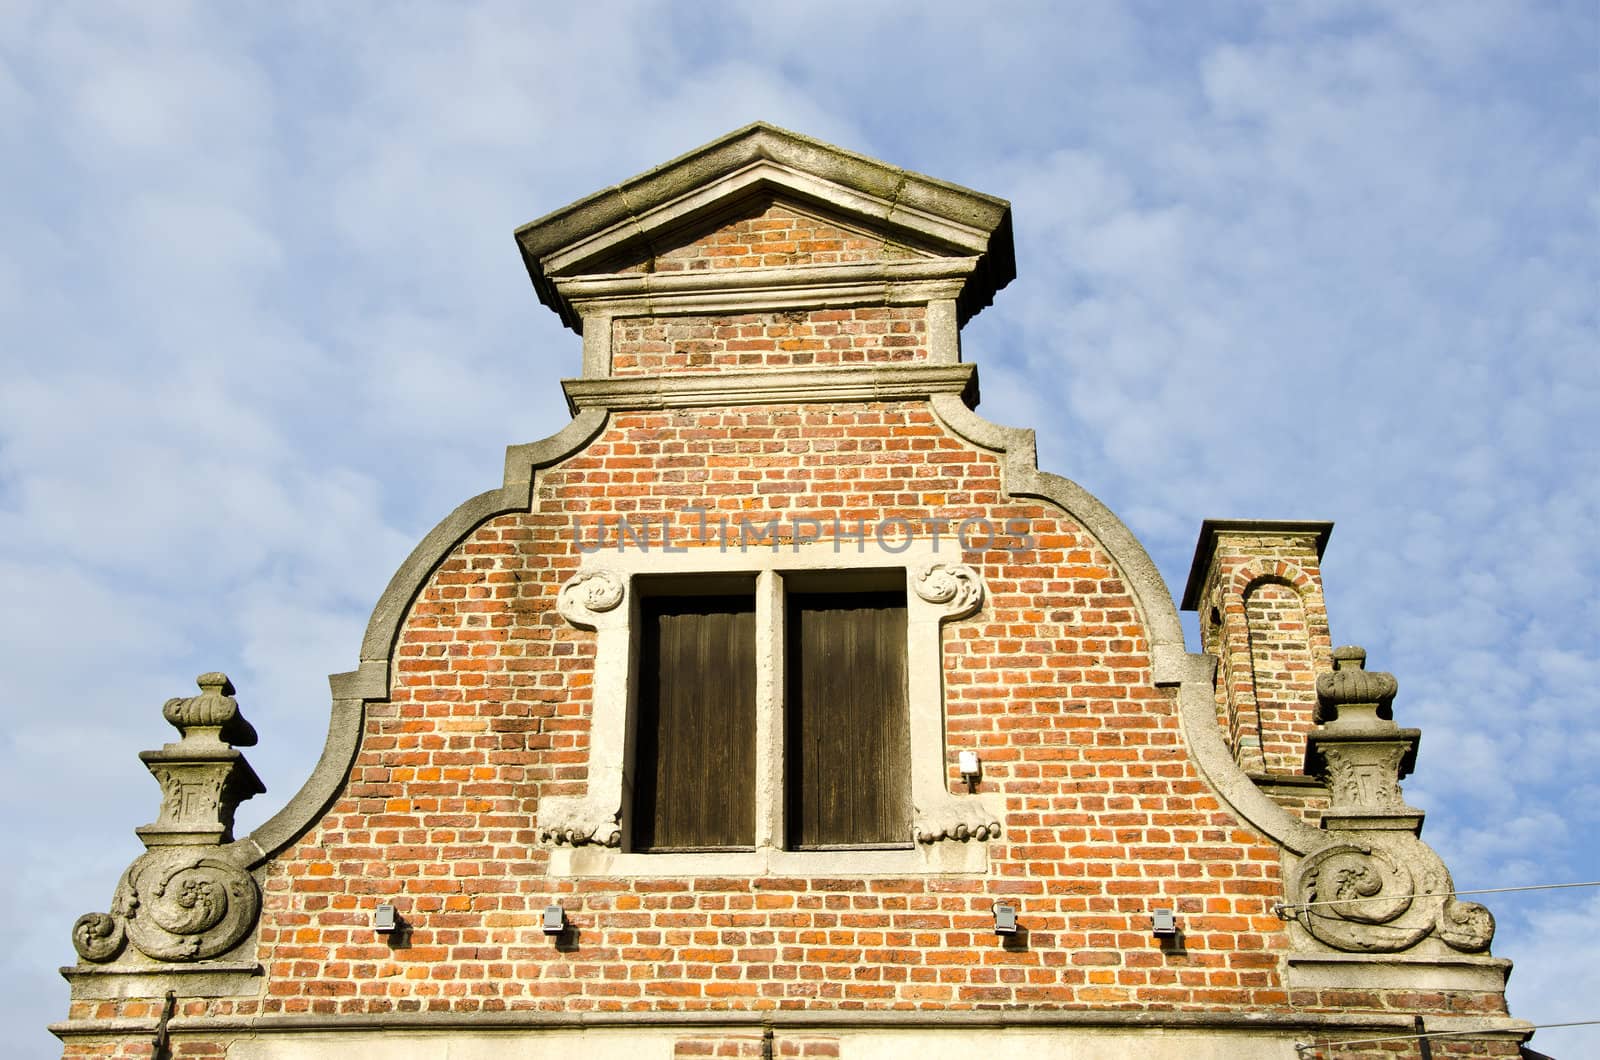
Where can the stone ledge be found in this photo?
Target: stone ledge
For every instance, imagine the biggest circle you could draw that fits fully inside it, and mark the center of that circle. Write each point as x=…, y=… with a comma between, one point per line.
x=947, y=857
x=205, y=979
x=1395, y=971
x=533, y=1019
x=778, y=386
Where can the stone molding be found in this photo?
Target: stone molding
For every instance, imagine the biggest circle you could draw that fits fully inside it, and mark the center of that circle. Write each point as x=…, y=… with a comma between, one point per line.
x=909, y=281
x=777, y=386
x=1395, y=971
x=537, y=1019
x=207, y=979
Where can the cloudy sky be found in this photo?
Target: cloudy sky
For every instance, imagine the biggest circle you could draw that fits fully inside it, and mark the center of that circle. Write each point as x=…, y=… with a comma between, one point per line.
x=263, y=323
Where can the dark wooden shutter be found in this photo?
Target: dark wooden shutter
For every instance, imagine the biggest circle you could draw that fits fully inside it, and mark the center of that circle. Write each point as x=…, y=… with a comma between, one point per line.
x=695, y=750
x=847, y=737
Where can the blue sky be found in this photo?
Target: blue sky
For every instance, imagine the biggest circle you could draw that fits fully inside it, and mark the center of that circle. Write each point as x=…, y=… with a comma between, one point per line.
x=263, y=323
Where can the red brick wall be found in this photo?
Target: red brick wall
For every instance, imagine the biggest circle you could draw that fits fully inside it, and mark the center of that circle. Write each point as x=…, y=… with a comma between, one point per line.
x=1284, y=681
x=1270, y=634
x=776, y=235
x=1050, y=682
x=876, y=335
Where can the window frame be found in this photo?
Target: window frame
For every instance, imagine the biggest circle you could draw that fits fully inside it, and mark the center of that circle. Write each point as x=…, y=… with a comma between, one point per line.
x=586, y=833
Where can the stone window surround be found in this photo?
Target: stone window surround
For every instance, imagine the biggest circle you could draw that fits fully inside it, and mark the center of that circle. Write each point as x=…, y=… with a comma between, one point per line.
x=950, y=829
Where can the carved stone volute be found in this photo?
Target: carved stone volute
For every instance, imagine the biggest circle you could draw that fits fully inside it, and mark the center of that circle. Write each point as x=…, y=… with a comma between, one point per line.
x=182, y=900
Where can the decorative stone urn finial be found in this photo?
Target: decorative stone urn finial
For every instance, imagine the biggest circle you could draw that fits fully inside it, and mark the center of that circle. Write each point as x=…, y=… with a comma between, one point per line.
x=1375, y=887
x=213, y=716
x=1359, y=750
x=183, y=899
x=203, y=779
x=1353, y=696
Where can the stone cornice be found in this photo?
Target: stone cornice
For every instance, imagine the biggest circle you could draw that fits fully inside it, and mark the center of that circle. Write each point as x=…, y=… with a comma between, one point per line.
x=908, y=282
x=787, y=386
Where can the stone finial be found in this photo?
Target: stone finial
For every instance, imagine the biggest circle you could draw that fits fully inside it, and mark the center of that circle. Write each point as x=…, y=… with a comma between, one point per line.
x=183, y=900
x=203, y=778
x=1358, y=749
x=212, y=716
x=1352, y=694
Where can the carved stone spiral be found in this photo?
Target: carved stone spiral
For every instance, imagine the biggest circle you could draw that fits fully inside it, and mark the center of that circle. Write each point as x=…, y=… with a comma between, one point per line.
x=1357, y=898
x=183, y=905
x=98, y=937
x=1465, y=926
x=589, y=593
x=954, y=585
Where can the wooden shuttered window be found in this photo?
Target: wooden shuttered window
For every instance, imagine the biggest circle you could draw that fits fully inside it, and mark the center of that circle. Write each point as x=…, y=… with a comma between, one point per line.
x=695, y=748
x=847, y=761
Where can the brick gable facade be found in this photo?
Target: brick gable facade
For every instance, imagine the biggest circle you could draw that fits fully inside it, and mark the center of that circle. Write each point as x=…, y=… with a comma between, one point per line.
x=770, y=401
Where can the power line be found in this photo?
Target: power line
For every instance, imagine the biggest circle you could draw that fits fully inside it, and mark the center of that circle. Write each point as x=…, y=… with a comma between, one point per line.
x=1284, y=910
x=1302, y=1047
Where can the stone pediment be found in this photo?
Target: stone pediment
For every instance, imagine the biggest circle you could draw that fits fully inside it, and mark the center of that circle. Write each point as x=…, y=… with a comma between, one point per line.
x=889, y=224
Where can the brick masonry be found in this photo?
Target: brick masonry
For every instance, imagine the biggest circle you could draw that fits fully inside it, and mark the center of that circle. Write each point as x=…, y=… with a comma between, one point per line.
x=1052, y=681
x=773, y=235
x=800, y=339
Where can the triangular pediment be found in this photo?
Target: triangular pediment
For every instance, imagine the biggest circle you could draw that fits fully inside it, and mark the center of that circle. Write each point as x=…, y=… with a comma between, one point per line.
x=664, y=216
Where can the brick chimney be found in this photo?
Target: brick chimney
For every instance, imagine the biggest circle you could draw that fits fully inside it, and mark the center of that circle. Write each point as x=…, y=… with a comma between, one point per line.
x=1257, y=586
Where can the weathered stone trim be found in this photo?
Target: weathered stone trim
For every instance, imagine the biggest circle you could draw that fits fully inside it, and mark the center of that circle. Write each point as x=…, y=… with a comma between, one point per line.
x=773, y=386
x=1395, y=971
x=944, y=858
x=757, y=296
x=1337, y=1023
x=206, y=979
x=1192, y=673
x=811, y=285
x=370, y=683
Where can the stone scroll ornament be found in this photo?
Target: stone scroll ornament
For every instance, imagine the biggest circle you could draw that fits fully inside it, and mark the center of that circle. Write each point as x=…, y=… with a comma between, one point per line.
x=182, y=900
x=590, y=599
x=589, y=594
x=957, y=590
x=1376, y=887
x=955, y=586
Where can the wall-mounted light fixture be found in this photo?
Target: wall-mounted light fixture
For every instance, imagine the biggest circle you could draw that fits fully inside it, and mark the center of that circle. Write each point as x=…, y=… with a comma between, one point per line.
x=385, y=920
x=1163, y=923
x=1005, y=919
x=970, y=770
x=555, y=919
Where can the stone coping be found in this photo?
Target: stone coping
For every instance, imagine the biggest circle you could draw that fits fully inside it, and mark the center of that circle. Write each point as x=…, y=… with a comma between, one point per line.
x=1207, y=545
